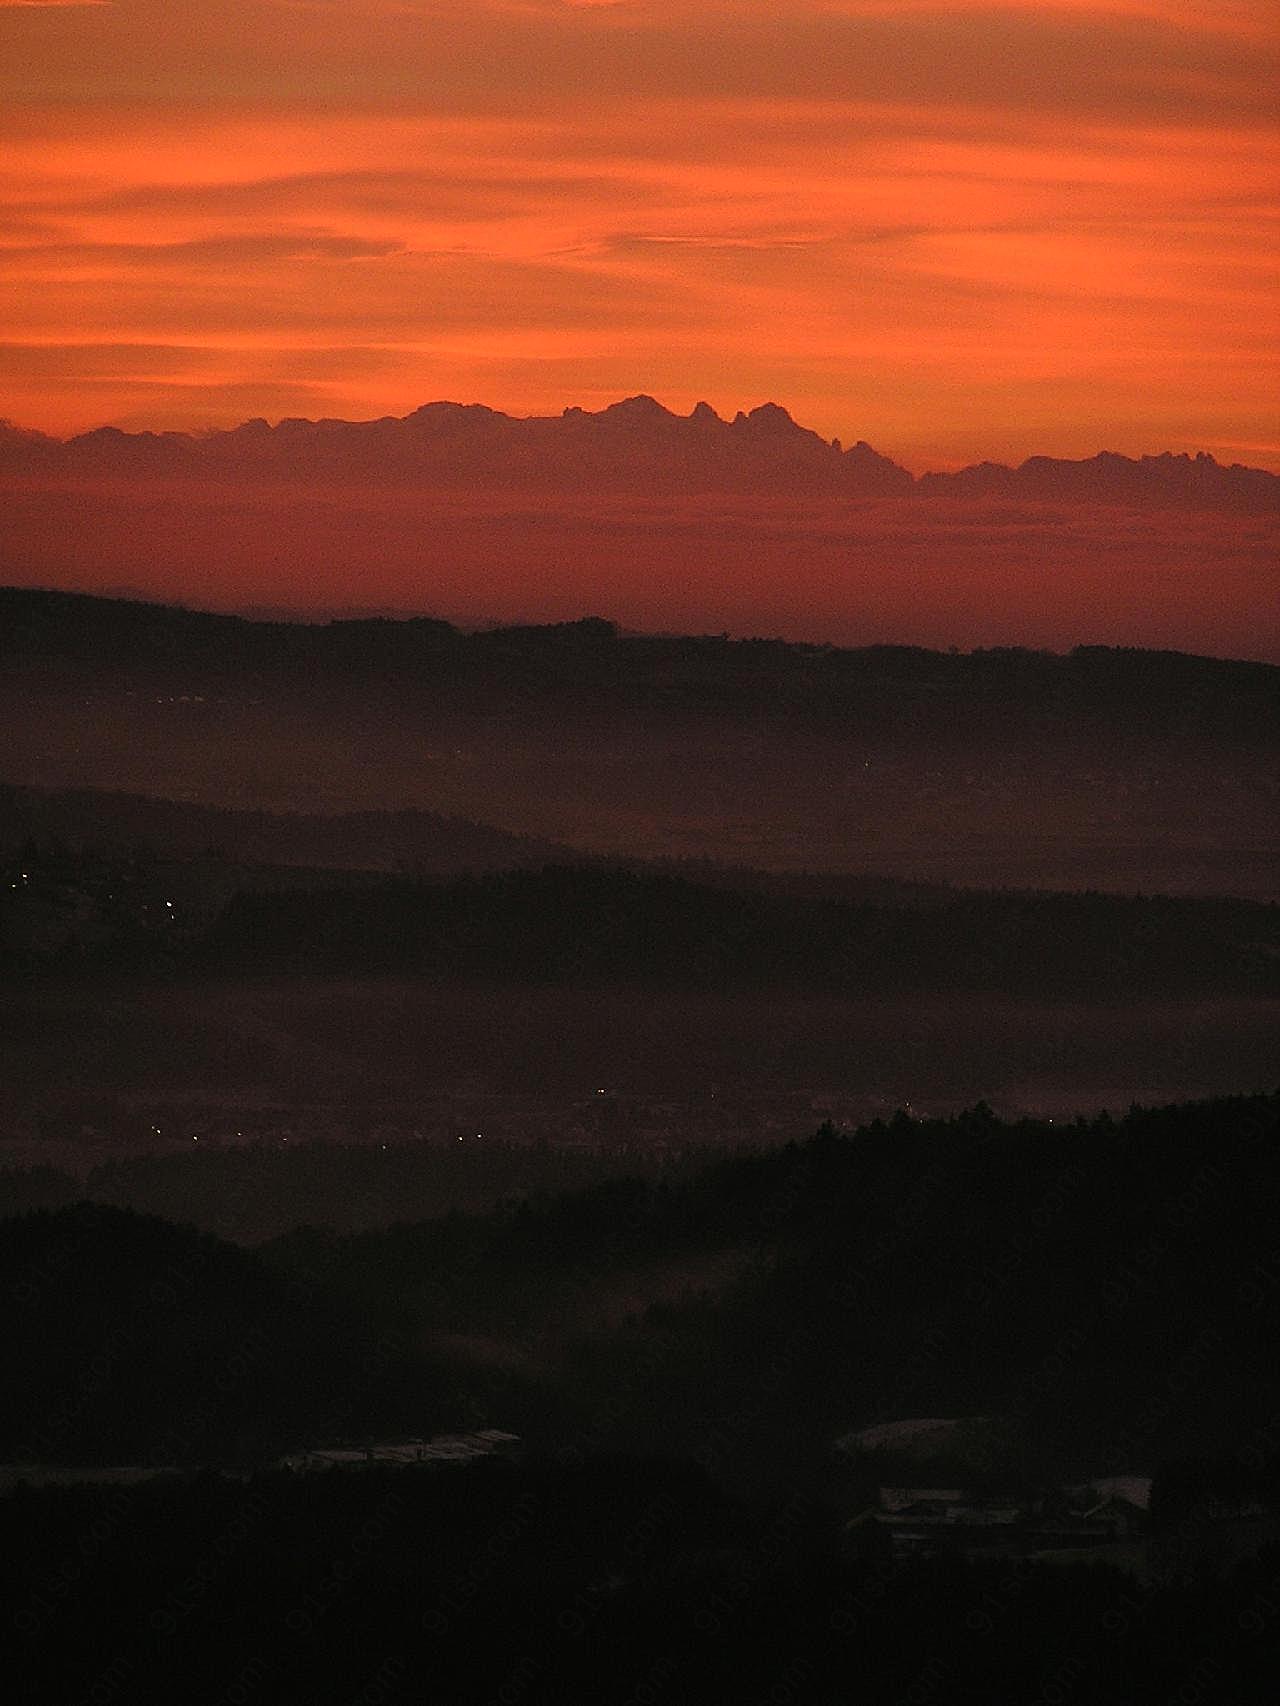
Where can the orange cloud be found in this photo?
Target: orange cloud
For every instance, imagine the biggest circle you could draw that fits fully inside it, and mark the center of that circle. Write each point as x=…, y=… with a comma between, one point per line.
x=956, y=230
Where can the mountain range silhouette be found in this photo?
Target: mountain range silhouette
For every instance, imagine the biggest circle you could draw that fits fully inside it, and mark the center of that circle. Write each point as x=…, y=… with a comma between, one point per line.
x=632, y=443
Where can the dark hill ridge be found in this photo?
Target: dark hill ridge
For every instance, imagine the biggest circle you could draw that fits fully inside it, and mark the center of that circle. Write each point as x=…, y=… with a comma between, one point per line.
x=590, y=661
x=330, y=849
x=593, y=924
x=917, y=1267
x=636, y=438
x=422, y=842
x=1100, y=768
x=678, y=1359
x=204, y=1353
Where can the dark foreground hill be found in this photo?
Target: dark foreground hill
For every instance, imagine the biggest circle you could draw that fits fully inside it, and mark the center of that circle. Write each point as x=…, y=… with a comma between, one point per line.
x=555, y=1584
x=1098, y=1290
x=132, y=1340
x=1101, y=1291
x=680, y=1360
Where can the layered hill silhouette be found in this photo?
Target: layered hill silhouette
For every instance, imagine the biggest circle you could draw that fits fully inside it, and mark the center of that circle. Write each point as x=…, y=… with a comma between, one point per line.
x=634, y=438
x=1099, y=768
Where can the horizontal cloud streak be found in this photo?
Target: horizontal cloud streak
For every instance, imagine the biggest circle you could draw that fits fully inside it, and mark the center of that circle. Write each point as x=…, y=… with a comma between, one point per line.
x=485, y=59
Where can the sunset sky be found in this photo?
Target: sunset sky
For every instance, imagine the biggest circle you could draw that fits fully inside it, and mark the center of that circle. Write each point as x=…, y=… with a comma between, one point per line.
x=956, y=230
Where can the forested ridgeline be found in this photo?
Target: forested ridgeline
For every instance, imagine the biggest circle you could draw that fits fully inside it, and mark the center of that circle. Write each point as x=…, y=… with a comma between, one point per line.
x=257, y=1189
x=1002, y=692
x=1104, y=1292
x=600, y=922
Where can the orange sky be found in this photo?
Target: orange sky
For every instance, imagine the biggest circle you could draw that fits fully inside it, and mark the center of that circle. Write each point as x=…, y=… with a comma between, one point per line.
x=957, y=230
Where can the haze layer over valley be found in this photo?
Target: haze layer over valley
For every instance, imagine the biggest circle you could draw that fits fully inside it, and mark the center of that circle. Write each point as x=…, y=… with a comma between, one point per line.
x=378, y=876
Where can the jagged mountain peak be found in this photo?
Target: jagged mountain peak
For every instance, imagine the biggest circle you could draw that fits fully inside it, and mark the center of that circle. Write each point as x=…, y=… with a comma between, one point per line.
x=641, y=407
x=636, y=437
x=450, y=414
x=772, y=417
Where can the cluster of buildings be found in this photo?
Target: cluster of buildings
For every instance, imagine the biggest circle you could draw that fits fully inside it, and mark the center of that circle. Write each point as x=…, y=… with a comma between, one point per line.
x=465, y=1447
x=1099, y=1518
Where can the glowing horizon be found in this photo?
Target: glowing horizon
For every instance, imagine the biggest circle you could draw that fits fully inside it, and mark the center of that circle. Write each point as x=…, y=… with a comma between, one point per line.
x=956, y=231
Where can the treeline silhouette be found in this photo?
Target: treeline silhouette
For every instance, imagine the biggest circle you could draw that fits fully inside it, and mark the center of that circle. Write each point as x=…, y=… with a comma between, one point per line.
x=906, y=692
x=569, y=923
x=1100, y=1286
x=1103, y=1290
x=596, y=922
x=252, y=1191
